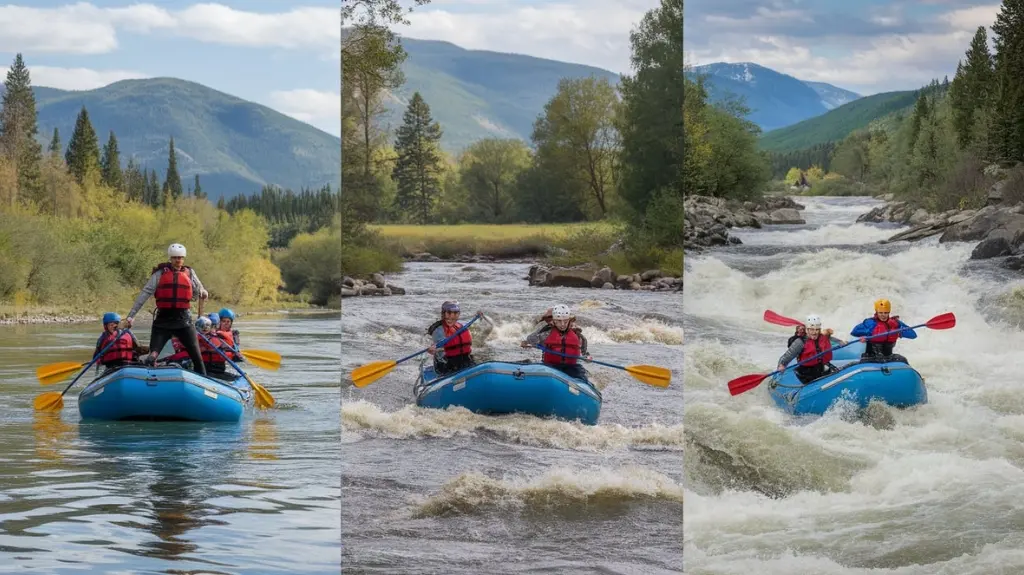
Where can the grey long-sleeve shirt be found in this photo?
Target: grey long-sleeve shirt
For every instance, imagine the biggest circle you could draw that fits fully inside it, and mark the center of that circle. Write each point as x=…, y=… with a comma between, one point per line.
x=150, y=288
x=798, y=345
x=479, y=335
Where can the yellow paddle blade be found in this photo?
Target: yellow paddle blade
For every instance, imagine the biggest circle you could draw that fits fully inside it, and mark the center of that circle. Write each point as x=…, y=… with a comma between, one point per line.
x=262, y=358
x=262, y=397
x=366, y=374
x=49, y=401
x=54, y=372
x=651, y=374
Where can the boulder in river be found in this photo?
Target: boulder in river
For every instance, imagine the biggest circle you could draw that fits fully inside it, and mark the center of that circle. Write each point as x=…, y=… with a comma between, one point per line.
x=376, y=285
x=604, y=278
x=707, y=220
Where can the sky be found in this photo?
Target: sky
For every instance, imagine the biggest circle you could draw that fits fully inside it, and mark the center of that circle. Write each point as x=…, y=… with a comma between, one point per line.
x=592, y=32
x=868, y=46
x=280, y=53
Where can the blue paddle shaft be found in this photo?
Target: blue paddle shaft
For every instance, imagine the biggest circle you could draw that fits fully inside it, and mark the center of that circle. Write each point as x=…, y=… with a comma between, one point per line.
x=441, y=344
x=120, y=332
x=222, y=354
x=799, y=363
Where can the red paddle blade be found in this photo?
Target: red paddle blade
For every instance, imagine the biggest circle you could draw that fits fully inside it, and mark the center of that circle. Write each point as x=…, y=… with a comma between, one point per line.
x=774, y=318
x=746, y=383
x=944, y=321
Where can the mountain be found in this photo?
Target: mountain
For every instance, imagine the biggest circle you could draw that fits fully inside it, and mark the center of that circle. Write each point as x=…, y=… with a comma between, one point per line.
x=234, y=145
x=476, y=94
x=776, y=100
x=840, y=122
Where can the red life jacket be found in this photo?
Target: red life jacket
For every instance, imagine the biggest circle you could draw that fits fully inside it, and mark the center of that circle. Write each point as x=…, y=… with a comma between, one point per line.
x=567, y=342
x=174, y=289
x=176, y=345
x=122, y=350
x=814, y=347
x=882, y=327
x=227, y=337
x=209, y=352
x=459, y=345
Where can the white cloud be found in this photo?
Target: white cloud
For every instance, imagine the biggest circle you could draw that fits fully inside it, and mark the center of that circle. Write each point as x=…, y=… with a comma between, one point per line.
x=594, y=32
x=76, y=78
x=864, y=64
x=84, y=28
x=315, y=107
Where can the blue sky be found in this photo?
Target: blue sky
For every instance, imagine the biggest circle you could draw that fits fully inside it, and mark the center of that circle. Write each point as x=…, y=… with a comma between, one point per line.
x=593, y=32
x=868, y=46
x=284, y=54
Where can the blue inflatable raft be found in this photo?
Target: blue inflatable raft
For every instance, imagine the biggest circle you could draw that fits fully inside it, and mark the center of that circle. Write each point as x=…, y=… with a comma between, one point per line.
x=163, y=393
x=499, y=388
x=860, y=381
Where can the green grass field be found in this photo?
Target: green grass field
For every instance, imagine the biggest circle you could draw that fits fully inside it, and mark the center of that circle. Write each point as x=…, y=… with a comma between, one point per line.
x=500, y=241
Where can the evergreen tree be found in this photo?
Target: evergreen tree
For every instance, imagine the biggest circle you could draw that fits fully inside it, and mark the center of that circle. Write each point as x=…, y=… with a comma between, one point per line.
x=220, y=203
x=920, y=115
x=134, y=182
x=56, y=146
x=1008, y=28
x=972, y=86
x=18, y=129
x=154, y=197
x=418, y=167
x=83, y=153
x=110, y=164
x=172, y=181
x=197, y=189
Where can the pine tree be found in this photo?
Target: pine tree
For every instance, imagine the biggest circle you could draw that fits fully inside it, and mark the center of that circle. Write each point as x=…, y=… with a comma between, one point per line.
x=83, y=155
x=220, y=203
x=56, y=146
x=18, y=129
x=172, y=181
x=1008, y=117
x=134, y=182
x=920, y=115
x=110, y=165
x=197, y=189
x=155, y=198
x=418, y=167
x=971, y=91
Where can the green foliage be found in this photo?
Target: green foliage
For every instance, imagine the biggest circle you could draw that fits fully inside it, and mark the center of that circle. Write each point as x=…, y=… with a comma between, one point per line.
x=489, y=172
x=110, y=164
x=172, y=180
x=418, y=168
x=83, y=155
x=18, y=130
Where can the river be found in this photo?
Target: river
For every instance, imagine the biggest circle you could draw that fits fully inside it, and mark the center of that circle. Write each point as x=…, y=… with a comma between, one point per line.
x=450, y=492
x=939, y=489
x=259, y=497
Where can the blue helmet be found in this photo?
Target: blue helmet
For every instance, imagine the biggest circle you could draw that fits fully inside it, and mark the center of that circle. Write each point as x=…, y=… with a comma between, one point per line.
x=450, y=306
x=214, y=318
x=111, y=317
x=226, y=313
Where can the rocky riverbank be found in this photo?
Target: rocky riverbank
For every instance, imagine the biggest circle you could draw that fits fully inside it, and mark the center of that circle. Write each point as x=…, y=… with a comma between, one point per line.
x=708, y=219
x=604, y=278
x=377, y=285
x=998, y=228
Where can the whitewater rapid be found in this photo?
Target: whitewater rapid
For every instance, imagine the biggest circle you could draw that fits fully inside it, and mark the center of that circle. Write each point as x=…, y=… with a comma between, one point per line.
x=939, y=492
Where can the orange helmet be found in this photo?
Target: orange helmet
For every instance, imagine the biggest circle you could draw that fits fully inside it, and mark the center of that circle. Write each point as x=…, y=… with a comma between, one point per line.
x=883, y=306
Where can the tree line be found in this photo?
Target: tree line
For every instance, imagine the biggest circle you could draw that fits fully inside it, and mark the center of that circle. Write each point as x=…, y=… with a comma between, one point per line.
x=79, y=228
x=961, y=136
x=288, y=213
x=597, y=151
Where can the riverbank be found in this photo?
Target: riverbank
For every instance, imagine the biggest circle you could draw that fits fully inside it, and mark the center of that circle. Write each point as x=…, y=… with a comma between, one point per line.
x=997, y=228
x=34, y=315
x=709, y=219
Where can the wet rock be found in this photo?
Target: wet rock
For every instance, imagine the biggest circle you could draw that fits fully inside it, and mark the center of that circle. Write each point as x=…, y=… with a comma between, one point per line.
x=605, y=278
x=784, y=216
x=378, y=279
x=707, y=220
x=1015, y=263
x=608, y=285
x=606, y=275
x=376, y=285
x=349, y=292
x=634, y=285
x=348, y=282
x=650, y=275
x=992, y=247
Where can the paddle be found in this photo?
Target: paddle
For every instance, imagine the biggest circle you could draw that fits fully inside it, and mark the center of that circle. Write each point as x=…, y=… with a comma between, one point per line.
x=774, y=318
x=747, y=382
x=366, y=374
x=263, y=398
x=53, y=401
x=649, y=374
x=262, y=358
x=56, y=372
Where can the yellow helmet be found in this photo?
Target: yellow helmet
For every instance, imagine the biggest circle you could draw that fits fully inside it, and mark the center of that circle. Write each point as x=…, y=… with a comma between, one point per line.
x=883, y=306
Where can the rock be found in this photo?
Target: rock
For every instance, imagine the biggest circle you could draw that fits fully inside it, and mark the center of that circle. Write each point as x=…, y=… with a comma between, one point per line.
x=395, y=290
x=623, y=281
x=634, y=286
x=783, y=216
x=992, y=247
x=347, y=281
x=919, y=217
x=650, y=275
x=377, y=279
x=1015, y=263
x=608, y=286
x=606, y=275
x=707, y=220
x=349, y=292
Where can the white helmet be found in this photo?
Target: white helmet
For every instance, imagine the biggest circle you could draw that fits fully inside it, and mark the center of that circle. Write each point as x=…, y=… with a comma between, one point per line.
x=175, y=250
x=204, y=323
x=560, y=311
x=813, y=321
